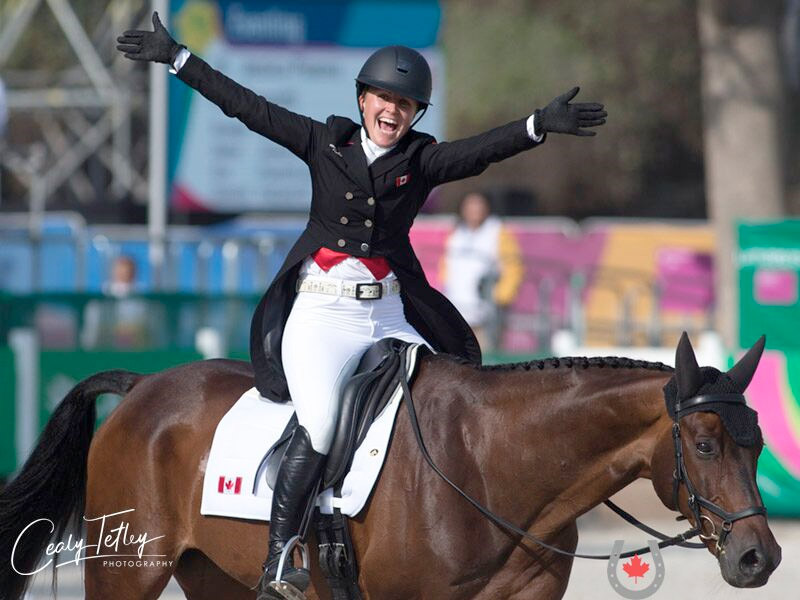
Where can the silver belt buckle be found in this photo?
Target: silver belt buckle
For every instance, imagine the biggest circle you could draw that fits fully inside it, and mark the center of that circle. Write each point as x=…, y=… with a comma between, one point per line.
x=369, y=291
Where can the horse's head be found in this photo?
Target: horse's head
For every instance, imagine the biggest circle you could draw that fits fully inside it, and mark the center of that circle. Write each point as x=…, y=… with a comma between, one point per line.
x=705, y=465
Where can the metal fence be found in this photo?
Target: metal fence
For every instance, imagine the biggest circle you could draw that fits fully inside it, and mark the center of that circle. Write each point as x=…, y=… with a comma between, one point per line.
x=213, y=275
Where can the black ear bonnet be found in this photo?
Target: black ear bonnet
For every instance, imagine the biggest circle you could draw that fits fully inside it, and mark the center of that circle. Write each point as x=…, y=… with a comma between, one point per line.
x=740, y=420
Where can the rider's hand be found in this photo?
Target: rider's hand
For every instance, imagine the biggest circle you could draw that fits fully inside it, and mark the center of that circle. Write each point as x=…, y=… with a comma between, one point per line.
x=562, y=117
x=156, y=45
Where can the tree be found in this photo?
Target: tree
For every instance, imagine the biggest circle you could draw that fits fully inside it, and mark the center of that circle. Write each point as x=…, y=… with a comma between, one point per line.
x=743, y=105
x=639, y=57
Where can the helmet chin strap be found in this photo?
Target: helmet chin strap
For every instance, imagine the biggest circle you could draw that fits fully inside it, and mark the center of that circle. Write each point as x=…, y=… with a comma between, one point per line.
x=359, y=90
x=419, y=116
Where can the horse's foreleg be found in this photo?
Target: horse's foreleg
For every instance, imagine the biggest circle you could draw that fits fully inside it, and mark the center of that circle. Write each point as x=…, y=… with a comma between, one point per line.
x=547, y=576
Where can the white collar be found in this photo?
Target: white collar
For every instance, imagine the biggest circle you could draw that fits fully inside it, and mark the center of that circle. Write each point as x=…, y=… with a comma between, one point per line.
x=371, y=149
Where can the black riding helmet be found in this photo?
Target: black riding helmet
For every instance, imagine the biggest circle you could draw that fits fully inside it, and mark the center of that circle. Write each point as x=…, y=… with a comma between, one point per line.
x=398, y=69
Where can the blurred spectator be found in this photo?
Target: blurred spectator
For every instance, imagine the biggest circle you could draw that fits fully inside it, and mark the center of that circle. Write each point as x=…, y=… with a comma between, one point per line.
x=123, y=321
x=55, y=324
x=123, y=278
x=481, y=269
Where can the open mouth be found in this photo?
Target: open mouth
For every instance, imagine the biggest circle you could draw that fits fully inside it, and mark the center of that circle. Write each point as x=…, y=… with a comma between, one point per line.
x=387, y=125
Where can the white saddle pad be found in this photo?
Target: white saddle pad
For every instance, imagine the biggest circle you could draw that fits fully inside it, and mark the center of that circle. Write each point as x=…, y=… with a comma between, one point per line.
x=250, y=428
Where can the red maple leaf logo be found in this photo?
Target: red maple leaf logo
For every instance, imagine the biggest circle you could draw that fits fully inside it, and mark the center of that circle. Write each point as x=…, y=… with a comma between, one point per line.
x=229, y=485
x=635, y=567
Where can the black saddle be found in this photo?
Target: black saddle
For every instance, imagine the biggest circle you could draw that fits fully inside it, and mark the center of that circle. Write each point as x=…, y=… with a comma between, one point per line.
x=364, y=396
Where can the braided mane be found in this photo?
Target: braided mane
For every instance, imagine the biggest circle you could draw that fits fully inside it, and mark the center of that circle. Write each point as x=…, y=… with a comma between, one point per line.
x=582, y=362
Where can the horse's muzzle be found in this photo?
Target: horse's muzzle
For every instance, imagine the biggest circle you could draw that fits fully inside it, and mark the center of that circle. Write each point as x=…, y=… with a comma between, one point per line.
x=750, y=568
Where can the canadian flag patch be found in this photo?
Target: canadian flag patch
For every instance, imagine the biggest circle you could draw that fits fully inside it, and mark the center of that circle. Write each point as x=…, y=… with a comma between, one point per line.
x=402, y=180
x=229, y=485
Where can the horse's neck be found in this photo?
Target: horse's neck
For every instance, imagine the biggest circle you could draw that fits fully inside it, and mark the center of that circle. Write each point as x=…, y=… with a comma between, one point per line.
x=577, y=437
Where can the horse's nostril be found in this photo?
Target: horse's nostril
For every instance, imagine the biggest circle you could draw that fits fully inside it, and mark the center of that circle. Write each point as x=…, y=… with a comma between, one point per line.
x=751, y=562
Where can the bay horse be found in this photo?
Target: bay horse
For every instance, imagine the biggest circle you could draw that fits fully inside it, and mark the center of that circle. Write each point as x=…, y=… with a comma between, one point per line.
x=539, y=443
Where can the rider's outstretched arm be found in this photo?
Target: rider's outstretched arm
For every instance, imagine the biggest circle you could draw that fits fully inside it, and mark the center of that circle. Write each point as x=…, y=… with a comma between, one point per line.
x=470, y=156
x=292, y=131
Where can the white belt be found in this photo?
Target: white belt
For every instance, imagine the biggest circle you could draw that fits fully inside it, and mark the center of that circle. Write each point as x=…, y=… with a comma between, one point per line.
x=351, y=289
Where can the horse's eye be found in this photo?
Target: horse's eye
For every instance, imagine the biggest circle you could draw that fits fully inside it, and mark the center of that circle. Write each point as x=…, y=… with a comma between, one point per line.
x=705, y=448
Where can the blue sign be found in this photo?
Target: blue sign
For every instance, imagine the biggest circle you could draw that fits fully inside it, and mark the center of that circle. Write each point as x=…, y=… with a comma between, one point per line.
x=303, y=56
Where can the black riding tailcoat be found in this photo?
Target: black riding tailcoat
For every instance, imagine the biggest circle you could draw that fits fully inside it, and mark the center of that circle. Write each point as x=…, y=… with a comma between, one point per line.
x=358, y=209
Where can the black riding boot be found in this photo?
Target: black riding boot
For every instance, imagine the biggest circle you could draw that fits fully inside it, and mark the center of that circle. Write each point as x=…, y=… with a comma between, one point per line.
x=297, y=479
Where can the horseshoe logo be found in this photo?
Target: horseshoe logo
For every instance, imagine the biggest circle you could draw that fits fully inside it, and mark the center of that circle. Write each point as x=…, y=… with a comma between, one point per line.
x=626, y=592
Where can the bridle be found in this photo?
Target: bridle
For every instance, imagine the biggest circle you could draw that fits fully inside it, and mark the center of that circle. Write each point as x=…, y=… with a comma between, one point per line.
x=680, y=475
x=696, y=500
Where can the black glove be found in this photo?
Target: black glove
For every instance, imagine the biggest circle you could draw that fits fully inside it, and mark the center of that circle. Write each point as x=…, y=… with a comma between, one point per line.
x=562, y=117
x=156, y=45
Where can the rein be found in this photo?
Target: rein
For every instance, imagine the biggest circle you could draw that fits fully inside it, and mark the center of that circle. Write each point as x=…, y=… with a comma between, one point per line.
x=679, y=475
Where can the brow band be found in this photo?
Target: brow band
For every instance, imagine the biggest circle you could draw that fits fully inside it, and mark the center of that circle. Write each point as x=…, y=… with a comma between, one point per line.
x=706, y=398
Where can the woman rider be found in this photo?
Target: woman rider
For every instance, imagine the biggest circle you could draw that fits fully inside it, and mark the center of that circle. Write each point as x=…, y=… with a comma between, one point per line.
x=352, y=277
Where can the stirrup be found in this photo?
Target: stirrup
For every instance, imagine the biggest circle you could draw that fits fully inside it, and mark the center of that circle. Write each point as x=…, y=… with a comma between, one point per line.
x=284, y=590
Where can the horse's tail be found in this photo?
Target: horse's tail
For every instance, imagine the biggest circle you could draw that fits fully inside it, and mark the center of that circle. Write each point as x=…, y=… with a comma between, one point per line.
x=51, y=487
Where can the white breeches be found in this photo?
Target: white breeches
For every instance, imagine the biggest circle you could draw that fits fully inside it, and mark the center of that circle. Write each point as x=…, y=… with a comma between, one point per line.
x=323, y=341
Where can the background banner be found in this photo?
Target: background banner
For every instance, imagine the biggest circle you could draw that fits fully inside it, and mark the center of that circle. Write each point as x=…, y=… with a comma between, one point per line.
x=301, y=55
x=775, y=394
x=769, y=269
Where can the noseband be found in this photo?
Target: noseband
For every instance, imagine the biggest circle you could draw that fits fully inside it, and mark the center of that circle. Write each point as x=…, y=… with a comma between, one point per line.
x=681, y=475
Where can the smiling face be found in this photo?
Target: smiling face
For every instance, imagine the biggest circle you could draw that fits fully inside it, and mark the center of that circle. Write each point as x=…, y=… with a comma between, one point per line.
x=387, y=116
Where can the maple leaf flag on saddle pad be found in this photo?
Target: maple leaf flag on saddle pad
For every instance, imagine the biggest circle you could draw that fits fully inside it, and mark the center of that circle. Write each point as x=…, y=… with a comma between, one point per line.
x=229, y=486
